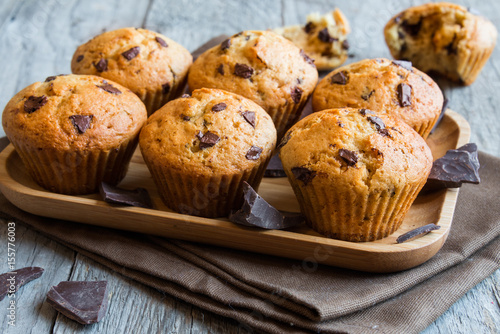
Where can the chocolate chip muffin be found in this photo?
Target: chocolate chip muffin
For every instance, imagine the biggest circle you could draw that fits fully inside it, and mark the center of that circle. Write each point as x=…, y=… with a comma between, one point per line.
x=355, y=173
x=200, y=149
x=263, y=67
x=443, y=38
x=323, y=38
x=73, y=132
x=151, y=65
x=385, y=86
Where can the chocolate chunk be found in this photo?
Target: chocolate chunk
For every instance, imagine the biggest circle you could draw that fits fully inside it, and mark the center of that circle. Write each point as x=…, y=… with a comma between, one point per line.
x=379, y=124
x=209, y=139
x=412, y=29
x=296, y=94
x=185, y=96
x=220, y=69
x=101, y=65
x=109, y=88
x=138, y=197
x=404, y=95
x=346, y=45
x=340, y=78
x=219, y=107
x=385, y=133
x=309, y=27
x=51, y=78
x=131, y=53
x=443, y=110
x=79, y=58
x=225, y=44
x=185, y=118
x=303, y=174
x=404, y=64
x=255, y=211
x=249, y=116
x=11, y=282
x=419, y=231
x=253, y=153
x=454, y=168
x=33, y=103
x=366, y=96
x=365, y=112
x=84, y=302
x=81, y=122
x=284, y=140
x=243, y=71
x=324, y=36
x=165, y=88
x=275, y=168
x=451, y=47
x=308, y=59
x=161, y=41
x=350, y=157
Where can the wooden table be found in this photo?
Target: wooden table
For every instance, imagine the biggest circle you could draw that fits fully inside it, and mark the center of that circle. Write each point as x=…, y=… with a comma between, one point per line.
x=38, y=39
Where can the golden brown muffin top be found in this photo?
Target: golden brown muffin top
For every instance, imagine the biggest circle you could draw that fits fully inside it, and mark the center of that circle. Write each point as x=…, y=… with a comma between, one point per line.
x=260, y=65
x=139, y=59
x=212, y=131
x=74, y=112
x=355, y=148
x=392, y=87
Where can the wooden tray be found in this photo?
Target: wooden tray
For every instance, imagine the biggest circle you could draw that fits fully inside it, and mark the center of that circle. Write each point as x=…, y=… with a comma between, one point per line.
x=298, y=243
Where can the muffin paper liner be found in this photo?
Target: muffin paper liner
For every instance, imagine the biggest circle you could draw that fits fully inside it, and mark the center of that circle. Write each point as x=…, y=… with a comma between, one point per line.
x=286, y=116
x=469, y=67
x=157, y=99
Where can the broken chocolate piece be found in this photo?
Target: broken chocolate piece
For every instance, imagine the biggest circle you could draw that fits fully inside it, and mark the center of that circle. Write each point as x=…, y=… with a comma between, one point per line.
x=161, y=41
x=324, y=36
x=220, y=69
x=101, y=65
x=350, y=157
x=303, y=174
x=84, y=302
x=185, y=118
x=308, y=59
x=255, y=211
x=109, y=88
x=11, y=282
x=366, y=96
x=249, y=116
x=219, y=107
x=243, y=71
x=339, y=78
x=440, y=118
x=138, y=197
x=308, y=28
x=131, y=53
x=365, y=112
x=51, y=78
x=404, y=95
x=225, y=44
x=209, y=139
x=296, y=94
x=404, y=64
x=81, y=122
x=284, y=140
x=275, y=168
x=253, y=153
x=33, y=103
x=79, y=58
x=412, y=29
x=379, y=124
x=346, y=45
x=419, y=231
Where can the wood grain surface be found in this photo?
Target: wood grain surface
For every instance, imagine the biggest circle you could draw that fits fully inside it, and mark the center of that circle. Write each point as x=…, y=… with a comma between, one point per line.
x=38, y=39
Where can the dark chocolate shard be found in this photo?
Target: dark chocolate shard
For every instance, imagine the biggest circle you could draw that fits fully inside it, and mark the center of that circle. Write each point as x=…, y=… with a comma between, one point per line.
x=346, y=45
x=209, y=139
x=284, y=140
x=385, y=133
x=365, y=112
x=243, y=71
x=220, y=69
x=185, y=118
x=161, y=41
x=79, y=58
x=81, y=122
x=296, y=94
x=308, y=59
x=101, y=65
x=407, y=65
x=440, y=118
x=33, y=103
x=253, y=153
x=249, y=116
x=51, y=78
x=419, y=231
x=225, y=44
x=109, y=88
x=324, y=36
x=275, y=168
x=454, y=168
x=131, y=53
x=138, y=197
x=412, y=29
x=303, y=174
x=255, y=211
x=309, y=27
x=404, y=95
x=84, y=302
x=379, y=124
x=349, y=157
x=11, y=282
x=219, y=107
x=366, y=95
x=165, y=88
x=340, y=78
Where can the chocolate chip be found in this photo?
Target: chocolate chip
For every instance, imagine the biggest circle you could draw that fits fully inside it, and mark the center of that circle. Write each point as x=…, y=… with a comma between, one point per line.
x=296, y=94
x=11, y=282
x=346, y=45
x=419, y=231
x=284, y=140
x=220, y=69
x=303, y=174
x=209, y=139
x=365, y=112
x=161, y=41
x=385, y=133
x=253, y=153
x=81, y=122
x=185, y=118
x=79, y=58
x=51, y=78
x=451, y=48
x=255, y=211
x=243, y=71
x=309, y=27
x=324, y=36
x=185, y=96
x=33, y=103
x=350, y=157
x=340, y=78
x=101, y=65
x=379, y=124
x=131, y=53
x=249, y=116
x=225, y=44
x=138, y=197
x=366, y=96
x=84, y=302
x=412, y=29
x=404, y=95
x=404, y=64
x=109, y=88
x=219, y=107
x=165, y=88
x=275, y=168
x=308, y=59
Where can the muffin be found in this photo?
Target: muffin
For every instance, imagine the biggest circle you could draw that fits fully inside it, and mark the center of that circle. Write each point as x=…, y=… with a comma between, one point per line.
x=323, y=38
x=263, y=67
x=151, y=65
x=355, y=172
x=385, y=86
x=444, y=38
x=73, y=132
x=200, y=149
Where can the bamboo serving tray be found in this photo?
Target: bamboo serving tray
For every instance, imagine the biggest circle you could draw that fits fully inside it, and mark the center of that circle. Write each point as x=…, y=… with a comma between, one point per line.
x=297, y=243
